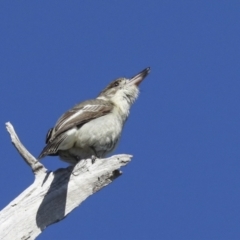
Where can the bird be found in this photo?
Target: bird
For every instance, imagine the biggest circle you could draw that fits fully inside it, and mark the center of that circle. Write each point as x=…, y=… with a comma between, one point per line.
x=92, y=128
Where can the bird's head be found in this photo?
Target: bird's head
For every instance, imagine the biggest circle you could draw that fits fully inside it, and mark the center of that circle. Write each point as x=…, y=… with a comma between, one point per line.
x=124, y=91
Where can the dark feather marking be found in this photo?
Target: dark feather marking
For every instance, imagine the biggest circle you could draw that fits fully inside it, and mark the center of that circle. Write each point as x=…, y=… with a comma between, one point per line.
x=52, y=147
x=48, y=136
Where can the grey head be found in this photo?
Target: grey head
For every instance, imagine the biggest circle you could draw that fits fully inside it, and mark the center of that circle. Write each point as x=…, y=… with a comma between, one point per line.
x=124, y=88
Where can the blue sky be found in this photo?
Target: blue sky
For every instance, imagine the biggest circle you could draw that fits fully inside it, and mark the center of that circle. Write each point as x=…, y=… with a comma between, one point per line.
x=184, y=179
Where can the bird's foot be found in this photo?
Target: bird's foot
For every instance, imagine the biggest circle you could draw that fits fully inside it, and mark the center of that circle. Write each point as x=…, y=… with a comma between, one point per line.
x=93, y=159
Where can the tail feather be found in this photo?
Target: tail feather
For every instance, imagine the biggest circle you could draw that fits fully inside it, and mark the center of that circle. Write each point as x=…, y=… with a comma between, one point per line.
x=52, y=147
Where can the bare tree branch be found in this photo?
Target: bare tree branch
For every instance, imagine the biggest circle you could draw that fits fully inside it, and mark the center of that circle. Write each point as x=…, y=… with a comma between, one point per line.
x=53, y=195
x=35, y=165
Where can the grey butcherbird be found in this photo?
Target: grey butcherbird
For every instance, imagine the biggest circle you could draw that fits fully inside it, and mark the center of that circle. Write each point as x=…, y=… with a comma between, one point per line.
x=93, y=127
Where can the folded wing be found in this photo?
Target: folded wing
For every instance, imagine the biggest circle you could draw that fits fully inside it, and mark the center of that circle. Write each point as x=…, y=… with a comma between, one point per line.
x=75, y=117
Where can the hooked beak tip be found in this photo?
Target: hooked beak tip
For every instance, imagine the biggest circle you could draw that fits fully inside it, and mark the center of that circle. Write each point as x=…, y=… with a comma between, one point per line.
x=137, y=79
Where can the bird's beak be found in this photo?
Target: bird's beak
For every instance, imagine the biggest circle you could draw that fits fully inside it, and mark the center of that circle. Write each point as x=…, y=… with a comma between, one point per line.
x=137, y=79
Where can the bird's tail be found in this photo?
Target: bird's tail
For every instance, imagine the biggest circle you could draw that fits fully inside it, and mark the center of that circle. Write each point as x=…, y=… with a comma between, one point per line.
x=51, y=149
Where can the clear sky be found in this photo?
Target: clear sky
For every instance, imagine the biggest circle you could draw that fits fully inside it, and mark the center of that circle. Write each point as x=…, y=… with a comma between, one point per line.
x=184, y=180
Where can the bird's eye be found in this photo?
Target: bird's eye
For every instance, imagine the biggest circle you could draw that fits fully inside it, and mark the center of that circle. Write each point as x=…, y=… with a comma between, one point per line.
x=116, y=84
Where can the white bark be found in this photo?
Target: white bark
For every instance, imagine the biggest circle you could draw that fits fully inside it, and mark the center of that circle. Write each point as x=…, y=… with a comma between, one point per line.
x=53, y=195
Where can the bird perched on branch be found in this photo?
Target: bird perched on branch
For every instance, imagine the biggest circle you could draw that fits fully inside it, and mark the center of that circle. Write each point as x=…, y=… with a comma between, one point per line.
x=93, y=128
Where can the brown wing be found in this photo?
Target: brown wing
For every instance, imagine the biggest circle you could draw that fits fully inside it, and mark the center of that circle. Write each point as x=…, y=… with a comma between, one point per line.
x=75, y=117
x=81, y=114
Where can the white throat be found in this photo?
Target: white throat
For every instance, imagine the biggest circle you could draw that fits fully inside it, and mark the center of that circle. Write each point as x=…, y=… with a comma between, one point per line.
x=123, y=100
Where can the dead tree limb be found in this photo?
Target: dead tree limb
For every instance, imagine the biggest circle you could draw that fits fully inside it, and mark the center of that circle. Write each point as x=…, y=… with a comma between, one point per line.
x=53, y=195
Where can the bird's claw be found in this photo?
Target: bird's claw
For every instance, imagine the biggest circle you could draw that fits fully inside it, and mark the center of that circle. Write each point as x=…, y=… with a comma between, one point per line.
x=93, y=159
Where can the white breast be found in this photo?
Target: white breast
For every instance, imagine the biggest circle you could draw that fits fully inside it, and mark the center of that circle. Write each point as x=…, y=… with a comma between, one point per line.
x=99, y=132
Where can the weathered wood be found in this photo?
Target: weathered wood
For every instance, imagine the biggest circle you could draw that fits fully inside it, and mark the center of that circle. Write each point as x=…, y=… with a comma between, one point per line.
x=53, y=195
x=31, y=161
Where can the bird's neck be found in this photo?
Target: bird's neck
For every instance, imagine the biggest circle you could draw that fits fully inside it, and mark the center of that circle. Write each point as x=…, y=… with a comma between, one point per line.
x=121, y=105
